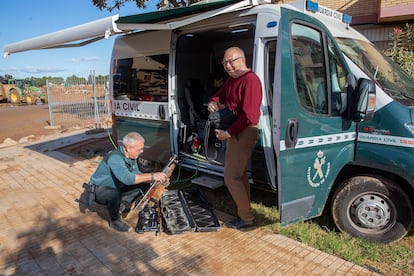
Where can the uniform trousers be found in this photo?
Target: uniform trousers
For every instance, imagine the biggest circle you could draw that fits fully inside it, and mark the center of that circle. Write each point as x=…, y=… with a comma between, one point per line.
x=112, y=197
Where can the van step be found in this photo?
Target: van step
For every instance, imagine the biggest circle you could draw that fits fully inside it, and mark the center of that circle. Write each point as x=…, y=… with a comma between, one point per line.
x=208, y=181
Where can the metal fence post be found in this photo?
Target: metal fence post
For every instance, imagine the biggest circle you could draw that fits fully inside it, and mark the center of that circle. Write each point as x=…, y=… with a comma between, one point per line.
x=49, y=97
x=78, y=102
x=107, y=99
x=95, y=102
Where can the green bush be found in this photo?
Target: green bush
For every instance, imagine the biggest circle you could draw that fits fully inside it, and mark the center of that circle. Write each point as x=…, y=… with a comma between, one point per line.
x=402, y=47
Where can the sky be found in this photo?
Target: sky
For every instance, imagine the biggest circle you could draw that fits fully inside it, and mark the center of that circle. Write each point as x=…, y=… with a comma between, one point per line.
x=24, y=19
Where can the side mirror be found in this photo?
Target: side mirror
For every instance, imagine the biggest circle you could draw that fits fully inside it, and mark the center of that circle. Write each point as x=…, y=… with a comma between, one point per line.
x=364, y=101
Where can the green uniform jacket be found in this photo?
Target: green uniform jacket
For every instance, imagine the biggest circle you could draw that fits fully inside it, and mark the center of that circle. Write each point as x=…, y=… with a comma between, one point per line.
x=115, y=170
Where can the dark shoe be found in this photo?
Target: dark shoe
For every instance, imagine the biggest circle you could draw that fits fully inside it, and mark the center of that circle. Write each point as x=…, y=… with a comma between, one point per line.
x=239, y=224
x=119, y=225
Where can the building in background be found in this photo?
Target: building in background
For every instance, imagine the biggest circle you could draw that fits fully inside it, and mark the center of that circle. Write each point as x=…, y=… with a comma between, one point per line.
x=376, y=19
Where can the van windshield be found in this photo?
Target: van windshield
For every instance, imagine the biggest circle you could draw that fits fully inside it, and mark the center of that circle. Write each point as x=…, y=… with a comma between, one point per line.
x=387, y=74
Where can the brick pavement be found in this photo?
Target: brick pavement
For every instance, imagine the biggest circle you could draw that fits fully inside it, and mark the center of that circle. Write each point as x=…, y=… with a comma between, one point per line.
x=46, y=230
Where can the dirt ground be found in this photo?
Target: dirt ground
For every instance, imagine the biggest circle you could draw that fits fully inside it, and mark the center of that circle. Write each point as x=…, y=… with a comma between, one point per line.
x=31, y=122
x=20, y=121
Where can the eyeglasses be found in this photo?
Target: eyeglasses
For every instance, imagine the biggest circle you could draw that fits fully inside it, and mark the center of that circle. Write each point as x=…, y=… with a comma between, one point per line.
x=135, y=149
x=231, y=61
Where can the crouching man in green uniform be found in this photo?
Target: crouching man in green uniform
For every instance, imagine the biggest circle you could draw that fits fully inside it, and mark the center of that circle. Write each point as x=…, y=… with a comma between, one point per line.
x=118, y=179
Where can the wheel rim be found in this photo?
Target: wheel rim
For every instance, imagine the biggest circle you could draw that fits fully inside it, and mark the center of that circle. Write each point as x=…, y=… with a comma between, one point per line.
x=372, y=212
x=13, y=97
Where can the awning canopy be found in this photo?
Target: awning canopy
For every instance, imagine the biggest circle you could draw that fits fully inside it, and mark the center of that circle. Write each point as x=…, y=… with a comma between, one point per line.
x=88, y=32
x=103, y=28
x=160, y=16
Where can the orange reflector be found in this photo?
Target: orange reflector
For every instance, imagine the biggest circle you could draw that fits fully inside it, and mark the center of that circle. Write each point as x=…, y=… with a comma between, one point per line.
x=371, y=101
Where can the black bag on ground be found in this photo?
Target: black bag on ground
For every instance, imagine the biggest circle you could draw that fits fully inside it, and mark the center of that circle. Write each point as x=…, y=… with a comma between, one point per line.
x=148, y=220
x=89, y=192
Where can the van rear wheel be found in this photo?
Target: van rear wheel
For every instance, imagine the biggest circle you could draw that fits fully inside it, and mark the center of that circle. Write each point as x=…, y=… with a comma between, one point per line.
x=372, y=208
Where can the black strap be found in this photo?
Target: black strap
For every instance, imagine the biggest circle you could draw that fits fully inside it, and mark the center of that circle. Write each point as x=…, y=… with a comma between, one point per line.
x=207, y=128
x=112, y=152
x=210, y=147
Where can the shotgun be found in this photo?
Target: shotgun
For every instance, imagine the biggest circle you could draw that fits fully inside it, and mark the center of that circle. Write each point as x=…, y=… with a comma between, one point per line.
x=157, y=187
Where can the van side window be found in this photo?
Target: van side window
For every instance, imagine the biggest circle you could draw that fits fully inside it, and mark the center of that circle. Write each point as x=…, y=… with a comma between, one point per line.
x=310, y=72
x=141, y=78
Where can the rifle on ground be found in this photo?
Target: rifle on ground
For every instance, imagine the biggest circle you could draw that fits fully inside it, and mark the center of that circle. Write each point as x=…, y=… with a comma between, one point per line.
x=157, y=187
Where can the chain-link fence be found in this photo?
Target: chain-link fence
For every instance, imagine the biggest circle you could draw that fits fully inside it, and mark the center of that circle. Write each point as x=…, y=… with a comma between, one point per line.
x=79, y=103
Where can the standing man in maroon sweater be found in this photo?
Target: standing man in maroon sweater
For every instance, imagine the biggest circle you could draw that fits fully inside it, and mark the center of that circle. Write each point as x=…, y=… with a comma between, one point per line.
x=241, y=93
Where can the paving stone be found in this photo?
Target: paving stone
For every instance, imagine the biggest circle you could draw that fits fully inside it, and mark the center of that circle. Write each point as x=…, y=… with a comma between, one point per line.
x=48, y=230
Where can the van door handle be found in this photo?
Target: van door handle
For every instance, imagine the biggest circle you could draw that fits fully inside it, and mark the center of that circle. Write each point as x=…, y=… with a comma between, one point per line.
x=161, y=111
x=291, y=135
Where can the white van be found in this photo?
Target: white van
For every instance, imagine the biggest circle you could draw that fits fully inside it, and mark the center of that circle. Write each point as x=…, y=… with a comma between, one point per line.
x=336, y=131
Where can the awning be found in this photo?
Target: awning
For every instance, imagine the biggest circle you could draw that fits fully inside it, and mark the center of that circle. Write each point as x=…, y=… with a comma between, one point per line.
x=160, y=16
x=88, y=32
x=103, y=28
x=178, y=17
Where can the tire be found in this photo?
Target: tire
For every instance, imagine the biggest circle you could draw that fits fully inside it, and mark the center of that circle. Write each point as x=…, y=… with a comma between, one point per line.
x=373, y=208
x=30, y=99
x=14, y=96
x=147, y=166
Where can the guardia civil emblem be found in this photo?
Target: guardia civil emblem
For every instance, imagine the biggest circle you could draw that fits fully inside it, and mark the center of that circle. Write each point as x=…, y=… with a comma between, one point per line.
x=319, y=171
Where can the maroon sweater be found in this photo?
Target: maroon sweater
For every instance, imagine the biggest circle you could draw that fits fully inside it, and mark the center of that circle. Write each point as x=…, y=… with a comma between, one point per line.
x=243, y=95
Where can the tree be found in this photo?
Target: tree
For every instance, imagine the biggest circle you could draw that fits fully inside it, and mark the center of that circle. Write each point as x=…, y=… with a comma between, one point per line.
x=75, y=80
x=39, y=82
x=402, y=47
x=99, y=79
x=110, y=5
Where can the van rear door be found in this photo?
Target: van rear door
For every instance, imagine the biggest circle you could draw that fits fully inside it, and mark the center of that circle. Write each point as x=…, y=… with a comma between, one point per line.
x=312, y=141
x=139, y=89
x=143, y=83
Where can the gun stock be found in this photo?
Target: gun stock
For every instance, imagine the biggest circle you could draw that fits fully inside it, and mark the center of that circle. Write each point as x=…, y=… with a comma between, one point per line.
x=157, y=187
